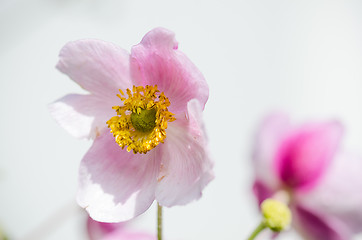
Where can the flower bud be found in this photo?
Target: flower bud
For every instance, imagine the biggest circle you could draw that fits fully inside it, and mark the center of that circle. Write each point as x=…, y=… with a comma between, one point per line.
x=277, y=215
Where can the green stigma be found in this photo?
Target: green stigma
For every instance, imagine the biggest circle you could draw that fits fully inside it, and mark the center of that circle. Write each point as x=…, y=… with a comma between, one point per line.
x=144, y=120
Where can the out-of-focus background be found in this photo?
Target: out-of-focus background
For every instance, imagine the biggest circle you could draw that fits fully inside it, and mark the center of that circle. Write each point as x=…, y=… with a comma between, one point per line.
x=303, y=57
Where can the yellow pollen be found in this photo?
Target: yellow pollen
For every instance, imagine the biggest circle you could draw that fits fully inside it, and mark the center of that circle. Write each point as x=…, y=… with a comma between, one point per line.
x=141, y=122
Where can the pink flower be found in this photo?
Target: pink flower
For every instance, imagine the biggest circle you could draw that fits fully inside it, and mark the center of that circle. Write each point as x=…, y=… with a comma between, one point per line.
x=114, y=231
x=322, y=182
x=152, y=102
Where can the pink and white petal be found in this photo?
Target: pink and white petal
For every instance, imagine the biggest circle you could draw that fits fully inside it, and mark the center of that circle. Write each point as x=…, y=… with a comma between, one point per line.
x=83, y=116
x=116, y=185
x=185, y=164
x=156, y=61
x=272, y=130
x=315, y=226
x=339, y=193
x=306, y=153
x=99, y=67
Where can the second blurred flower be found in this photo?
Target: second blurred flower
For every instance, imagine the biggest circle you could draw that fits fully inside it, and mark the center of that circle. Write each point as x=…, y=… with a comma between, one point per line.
x=301, y=164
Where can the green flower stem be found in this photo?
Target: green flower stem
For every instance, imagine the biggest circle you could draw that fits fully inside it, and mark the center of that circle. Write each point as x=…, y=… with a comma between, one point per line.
x=257, y=230
x=3, y=236
x=159, y=222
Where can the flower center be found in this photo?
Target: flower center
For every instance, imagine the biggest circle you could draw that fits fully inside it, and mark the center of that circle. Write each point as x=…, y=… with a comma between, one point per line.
x=141, y=122
x=144, y=121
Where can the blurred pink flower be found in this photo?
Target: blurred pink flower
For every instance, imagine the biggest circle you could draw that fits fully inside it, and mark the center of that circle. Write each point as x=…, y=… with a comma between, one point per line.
x=114, y=231
x=121, y=235
x=115, y=184
x=97, y=230
x=306, y=163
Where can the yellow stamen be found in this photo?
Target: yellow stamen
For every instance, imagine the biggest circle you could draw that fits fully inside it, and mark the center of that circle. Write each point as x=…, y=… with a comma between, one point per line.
x=141, y=122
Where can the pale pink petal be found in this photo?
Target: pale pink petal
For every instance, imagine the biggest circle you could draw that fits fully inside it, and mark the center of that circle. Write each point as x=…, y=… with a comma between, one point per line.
x=97, y=230
x=128, y=235
x=156, y=61
x=83, y=116
x=160, y=38
x=99, y=67
x=116, y=185
x=268, y=138
x=305, y=154
x=315, y=226
x=185, y=165
x=339, y=193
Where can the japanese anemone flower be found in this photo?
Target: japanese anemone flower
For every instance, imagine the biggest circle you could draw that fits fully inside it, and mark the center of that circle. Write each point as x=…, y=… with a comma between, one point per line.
x=322, y=183
x=144, y=112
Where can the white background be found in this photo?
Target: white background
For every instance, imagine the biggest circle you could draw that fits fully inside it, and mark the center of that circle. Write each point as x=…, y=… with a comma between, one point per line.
x=303, y=57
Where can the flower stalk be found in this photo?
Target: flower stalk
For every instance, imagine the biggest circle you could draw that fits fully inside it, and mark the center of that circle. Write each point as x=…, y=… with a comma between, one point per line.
x=257, y=230
x=159, y=222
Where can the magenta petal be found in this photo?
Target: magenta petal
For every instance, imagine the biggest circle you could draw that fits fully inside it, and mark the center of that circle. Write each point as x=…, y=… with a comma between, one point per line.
x=83, y=116
x=314, y=226
x=261, y=191
x=116, y=185
x=306, y=153
x=99, y=67
x=156, y=61
x=185, y=166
